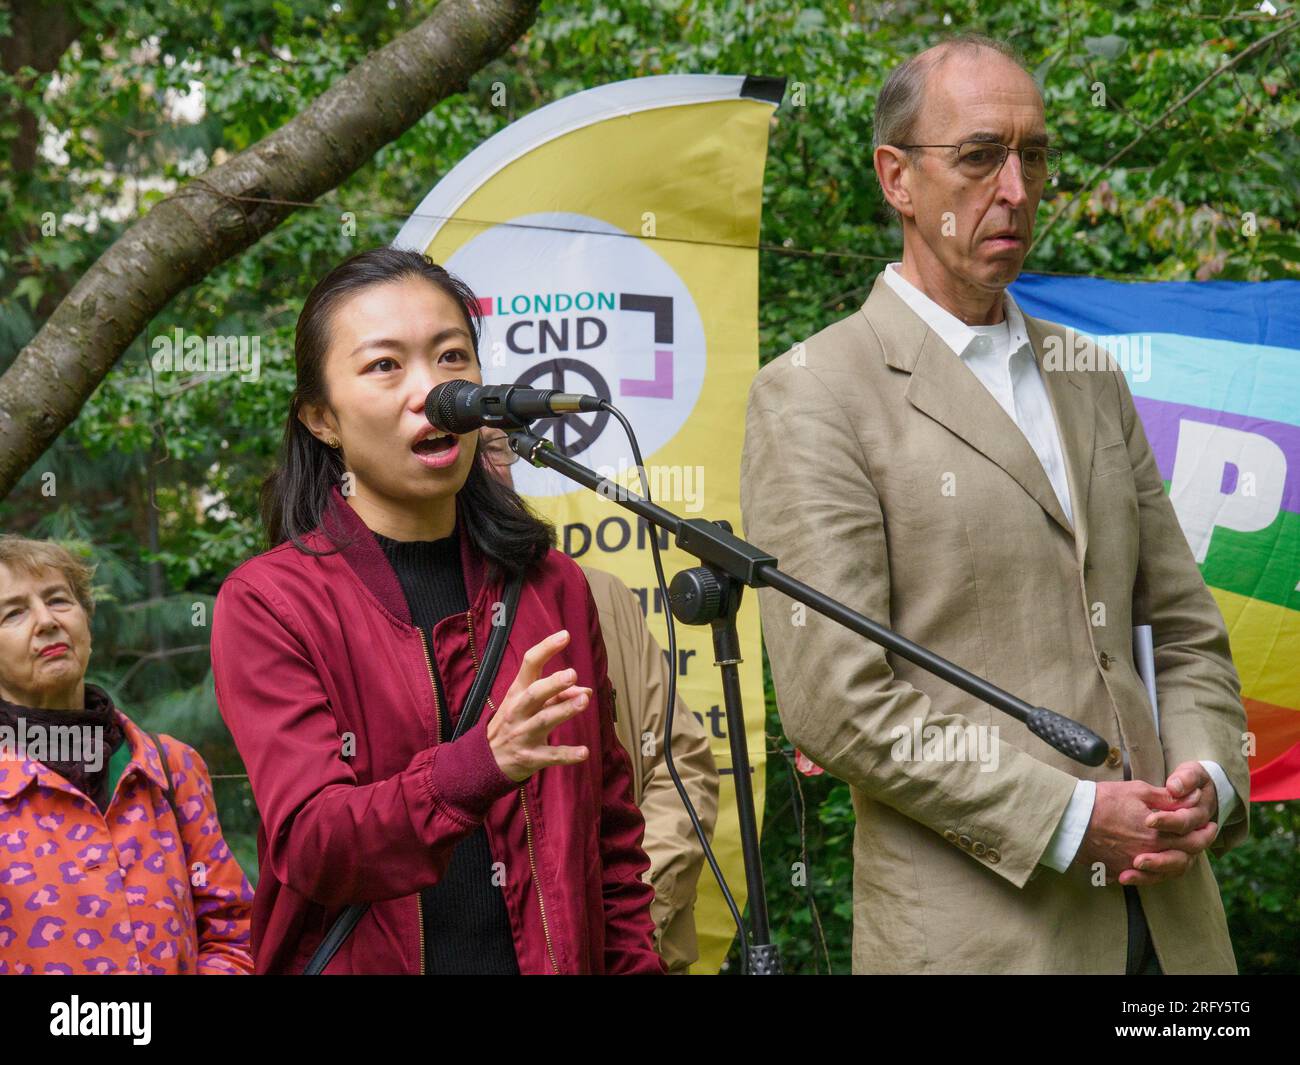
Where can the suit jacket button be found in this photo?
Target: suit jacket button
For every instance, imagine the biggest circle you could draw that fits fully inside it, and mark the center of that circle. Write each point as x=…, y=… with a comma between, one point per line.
x=950, y=835
x=963, y=842
x=994, y=856
x=978, y=849
x=1113, y=758
x=1105, y=660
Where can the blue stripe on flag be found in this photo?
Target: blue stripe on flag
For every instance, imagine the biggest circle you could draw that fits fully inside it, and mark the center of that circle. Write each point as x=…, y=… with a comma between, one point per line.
x=1246, y=312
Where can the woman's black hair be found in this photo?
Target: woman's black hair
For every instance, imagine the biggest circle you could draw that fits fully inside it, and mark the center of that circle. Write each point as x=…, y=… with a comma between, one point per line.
x=295, y=497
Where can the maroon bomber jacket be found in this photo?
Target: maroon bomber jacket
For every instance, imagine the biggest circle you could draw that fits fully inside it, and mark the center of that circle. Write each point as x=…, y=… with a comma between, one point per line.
x=326, y=688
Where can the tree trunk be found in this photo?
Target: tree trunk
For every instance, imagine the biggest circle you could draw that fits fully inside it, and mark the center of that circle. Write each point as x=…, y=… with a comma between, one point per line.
x=199, y=227
x=41, y=34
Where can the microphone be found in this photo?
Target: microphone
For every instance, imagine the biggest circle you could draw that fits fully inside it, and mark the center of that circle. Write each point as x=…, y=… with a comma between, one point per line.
x=461, y=407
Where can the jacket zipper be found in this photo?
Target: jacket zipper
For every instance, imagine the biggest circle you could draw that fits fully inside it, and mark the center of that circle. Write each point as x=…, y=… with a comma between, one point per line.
x=528, y=822
x=437, y=710
x=437, y=719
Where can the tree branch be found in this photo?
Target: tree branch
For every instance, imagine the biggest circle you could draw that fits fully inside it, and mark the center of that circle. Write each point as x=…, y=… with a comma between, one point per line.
x=192, y=232
x=1223, y=68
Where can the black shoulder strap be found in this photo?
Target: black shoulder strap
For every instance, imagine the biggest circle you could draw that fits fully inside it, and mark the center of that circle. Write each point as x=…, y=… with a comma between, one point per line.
x=167, y=773
x=170, y=792
x=470, y=712
x=339, y=931
x=478, y=692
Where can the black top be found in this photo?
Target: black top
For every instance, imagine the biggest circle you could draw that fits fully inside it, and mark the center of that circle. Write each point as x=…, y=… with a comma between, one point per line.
x=466, y=926
x=98, y=715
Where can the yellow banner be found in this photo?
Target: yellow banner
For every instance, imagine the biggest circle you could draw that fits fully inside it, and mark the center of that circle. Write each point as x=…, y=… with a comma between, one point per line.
x=611, y=238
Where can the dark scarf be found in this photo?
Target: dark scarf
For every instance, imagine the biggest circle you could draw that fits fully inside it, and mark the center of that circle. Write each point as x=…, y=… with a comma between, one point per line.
x=98, y=712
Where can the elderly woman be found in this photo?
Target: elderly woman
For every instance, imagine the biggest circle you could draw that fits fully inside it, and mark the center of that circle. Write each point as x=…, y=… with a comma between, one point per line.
x=111, y=855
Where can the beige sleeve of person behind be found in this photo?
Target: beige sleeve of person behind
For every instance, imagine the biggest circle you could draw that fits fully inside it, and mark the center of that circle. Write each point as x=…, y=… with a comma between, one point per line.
x=639, y=673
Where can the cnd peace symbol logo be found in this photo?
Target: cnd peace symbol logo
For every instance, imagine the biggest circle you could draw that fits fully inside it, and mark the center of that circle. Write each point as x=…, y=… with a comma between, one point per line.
x=572, y=434
x=573, y=303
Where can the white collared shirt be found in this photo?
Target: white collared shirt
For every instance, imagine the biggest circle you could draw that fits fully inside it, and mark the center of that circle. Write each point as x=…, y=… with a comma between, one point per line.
x=1002, y=358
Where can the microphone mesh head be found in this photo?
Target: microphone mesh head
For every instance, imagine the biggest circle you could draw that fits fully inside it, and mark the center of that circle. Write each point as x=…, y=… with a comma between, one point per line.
x=445, y=415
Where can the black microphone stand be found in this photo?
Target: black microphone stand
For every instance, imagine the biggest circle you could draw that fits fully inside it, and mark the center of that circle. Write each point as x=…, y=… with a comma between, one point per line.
x=711, y=595
x=706, y=595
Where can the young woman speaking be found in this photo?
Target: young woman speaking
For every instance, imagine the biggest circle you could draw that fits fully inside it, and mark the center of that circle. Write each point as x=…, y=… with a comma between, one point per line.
x=344, y=657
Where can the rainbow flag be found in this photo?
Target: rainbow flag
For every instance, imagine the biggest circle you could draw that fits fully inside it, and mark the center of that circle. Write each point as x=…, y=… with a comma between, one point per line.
x=1214, y=368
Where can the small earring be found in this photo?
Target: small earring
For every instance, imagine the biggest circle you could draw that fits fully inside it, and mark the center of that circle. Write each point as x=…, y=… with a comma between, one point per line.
x=333, y=441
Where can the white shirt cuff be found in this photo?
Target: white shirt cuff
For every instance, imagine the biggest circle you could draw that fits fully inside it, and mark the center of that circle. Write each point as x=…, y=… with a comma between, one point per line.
x=1226, y=792
x=1068, y=837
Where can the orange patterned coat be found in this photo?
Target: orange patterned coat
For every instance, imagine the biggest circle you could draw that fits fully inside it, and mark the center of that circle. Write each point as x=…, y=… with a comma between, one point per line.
x=135, y=889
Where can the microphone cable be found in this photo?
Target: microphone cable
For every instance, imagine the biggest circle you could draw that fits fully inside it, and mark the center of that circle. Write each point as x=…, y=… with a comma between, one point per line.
x=736, y=915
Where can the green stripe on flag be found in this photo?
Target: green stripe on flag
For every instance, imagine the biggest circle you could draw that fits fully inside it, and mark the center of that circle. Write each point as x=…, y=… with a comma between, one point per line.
x=1262, y=565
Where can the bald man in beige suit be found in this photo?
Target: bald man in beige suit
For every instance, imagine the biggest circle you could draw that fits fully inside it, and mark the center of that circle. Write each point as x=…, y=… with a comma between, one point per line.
x=931, y=461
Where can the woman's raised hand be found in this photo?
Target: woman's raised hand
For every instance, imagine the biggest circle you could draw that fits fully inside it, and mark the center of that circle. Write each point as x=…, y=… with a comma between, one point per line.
x=517, y=733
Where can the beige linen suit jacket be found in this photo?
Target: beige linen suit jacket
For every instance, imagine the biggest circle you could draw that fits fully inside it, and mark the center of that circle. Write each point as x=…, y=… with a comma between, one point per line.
x=879, y=469
x=639, y=674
